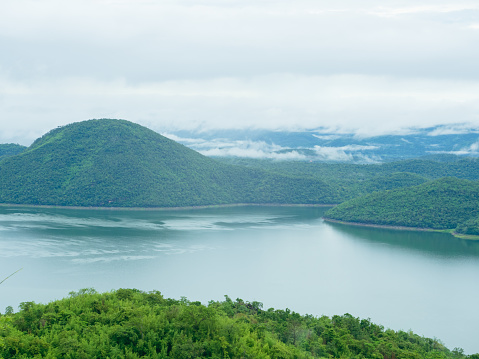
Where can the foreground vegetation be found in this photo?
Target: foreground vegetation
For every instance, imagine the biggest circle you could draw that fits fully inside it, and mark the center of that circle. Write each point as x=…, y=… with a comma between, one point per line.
x=128, y=323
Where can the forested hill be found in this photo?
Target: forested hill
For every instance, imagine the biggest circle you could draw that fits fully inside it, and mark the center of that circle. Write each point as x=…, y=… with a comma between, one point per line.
x=117, y=163
x=446, y=203
x=128, y=323
x=359, y=179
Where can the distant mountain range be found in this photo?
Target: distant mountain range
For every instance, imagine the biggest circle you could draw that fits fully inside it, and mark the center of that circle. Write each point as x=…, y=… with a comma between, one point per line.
x=440, y=143
x=322, y=145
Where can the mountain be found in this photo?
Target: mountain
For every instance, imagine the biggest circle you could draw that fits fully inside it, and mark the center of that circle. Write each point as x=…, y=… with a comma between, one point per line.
x=116, y=163
x=447, y=203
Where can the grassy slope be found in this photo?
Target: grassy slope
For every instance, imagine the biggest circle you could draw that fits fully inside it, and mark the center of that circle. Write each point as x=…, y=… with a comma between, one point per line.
x=119, y=163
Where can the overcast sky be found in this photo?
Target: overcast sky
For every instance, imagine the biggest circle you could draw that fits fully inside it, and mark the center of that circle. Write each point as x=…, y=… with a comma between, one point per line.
x=368, y=66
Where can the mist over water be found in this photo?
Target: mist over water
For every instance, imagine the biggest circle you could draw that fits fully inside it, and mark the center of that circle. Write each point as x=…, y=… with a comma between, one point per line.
x=285, y=257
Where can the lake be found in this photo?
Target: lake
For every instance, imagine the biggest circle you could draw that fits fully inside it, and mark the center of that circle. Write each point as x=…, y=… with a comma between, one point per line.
x=285, y=257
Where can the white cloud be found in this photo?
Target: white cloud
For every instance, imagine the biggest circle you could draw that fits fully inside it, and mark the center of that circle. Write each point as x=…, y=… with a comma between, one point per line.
x=454, y=129
x=345, y=153
x=253, y=153
x=471, y=150
x=238, y=148
x=261, y=149
x=423, y=9
x=327, y=137
x=366, y=105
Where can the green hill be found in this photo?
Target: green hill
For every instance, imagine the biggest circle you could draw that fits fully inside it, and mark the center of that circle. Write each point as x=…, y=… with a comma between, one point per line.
x=440, y=204
x=117, y=163
x=129, y=323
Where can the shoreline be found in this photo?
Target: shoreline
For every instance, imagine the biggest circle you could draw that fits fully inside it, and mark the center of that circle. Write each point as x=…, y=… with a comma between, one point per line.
x=11, y=205
x=371, y=225
x=469, y=237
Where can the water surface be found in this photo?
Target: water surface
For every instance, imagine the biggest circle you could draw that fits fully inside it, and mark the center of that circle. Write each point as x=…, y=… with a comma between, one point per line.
x=285, y=257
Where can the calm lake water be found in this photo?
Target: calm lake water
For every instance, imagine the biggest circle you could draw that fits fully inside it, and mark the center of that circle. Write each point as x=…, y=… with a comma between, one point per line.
x=285, y=257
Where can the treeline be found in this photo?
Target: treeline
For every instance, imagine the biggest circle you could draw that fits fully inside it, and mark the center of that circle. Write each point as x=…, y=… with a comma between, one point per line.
x=354, y=180
x=429, y=168
x=128, y=323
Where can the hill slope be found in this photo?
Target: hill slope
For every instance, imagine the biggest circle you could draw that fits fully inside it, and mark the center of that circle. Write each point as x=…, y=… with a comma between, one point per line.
x=118, y=163
x=440, y=204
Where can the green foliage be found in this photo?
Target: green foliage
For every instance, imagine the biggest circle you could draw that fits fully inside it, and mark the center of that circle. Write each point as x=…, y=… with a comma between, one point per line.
x=116, y=163
x=469, y=227
x=129, y=323
x=10, y=149
x=355, y=180
x=439, y=204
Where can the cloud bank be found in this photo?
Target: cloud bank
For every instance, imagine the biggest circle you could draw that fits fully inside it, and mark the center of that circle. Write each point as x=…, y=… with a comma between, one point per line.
x=367, y=67
x=263, y=150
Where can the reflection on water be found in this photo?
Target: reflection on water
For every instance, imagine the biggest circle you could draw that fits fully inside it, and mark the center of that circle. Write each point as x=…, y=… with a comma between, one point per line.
x=429, y=243
x=282, y=256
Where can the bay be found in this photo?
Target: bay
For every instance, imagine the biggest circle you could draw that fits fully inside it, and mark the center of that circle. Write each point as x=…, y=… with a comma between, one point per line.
x=285, y=257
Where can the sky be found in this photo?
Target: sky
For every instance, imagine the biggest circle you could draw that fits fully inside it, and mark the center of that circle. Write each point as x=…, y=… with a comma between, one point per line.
x=368, y=67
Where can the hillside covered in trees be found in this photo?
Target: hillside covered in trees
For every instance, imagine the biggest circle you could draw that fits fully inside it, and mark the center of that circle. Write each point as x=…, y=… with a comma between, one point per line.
x=10, y=149
x=116, y=163
x=128, y=323
x=446, y=204
x=354, y=180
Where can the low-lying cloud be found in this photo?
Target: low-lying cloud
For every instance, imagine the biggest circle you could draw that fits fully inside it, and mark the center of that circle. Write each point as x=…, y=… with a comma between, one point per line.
x=348, y=153
x=364, y=105
x=263, y=150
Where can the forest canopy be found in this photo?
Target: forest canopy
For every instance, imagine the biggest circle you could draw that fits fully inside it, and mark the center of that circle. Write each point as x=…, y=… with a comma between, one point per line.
x=129, y=323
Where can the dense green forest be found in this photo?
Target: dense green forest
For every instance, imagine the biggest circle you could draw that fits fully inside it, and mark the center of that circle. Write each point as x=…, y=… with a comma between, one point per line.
x=432, y=167
x=116, y=163
x=128, y=323
x=354, y=180
x=10, y=149
x=446, y=203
